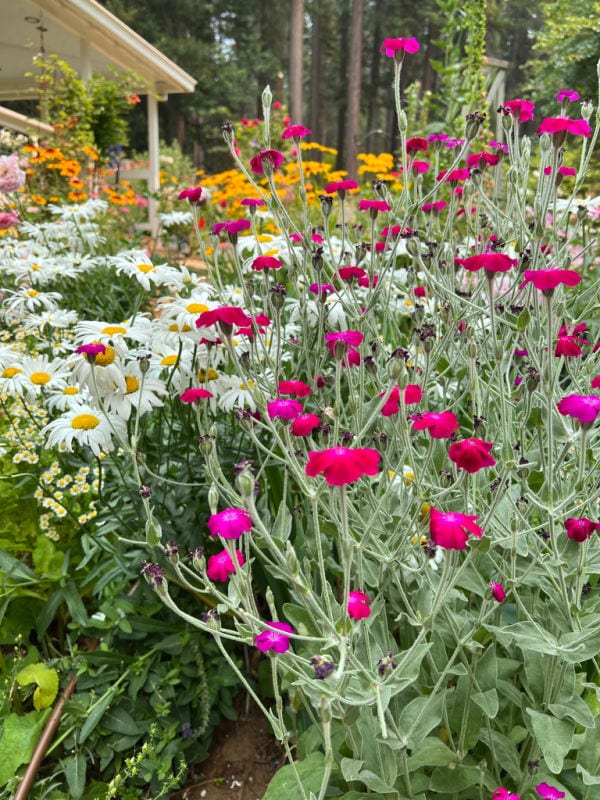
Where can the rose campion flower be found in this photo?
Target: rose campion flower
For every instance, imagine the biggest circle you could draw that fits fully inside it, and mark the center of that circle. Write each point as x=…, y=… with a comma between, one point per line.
x=275, y=640
x=567, y=94
x=225, y=315
x=472, y=454
x=192, y=195
x=299, y=388
x=340, y=342
x=580, y=529
x=491, y=262
x=296, y=132
x=269, y=158
x=341, y=187
x=373, y=206
x=396, y=48
x=230, y=523
x=8, y=219
x=193, y=395
x=416, y=144
x=232, y=227
x=266, y=262
x=342, y=465
x=221, y=566
x=595, y=382
x=12, y=177
x=521, y=109
x=584, y=407
x=350, y=273
x=304, y=424
x=548, y=792
x=412, y=394
x=562, y=125
x=440, y=426
x=358, y=605
x=284, y=408
x=498, y=592
x=546, y=280
x=451, y=530
x=504, y=794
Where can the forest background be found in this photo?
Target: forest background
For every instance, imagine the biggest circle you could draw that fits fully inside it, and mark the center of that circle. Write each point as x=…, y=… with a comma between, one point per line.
x=322, y=61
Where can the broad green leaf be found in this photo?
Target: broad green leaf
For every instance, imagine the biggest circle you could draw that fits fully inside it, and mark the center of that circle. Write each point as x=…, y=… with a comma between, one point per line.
x=95, y=715
x=75, y=771
x=419, y=717
x=504, y=750
x=46, y=680
x=432, y=752
x=487, y=702
x=351, y=768
x=375, y=783
x=282, y=527
x=527, y=636
x=587, y=778
x=19, y=737
x=575, y=709
x=283, y=785
x=119, y=720
x=448, y=780
x=553, y=736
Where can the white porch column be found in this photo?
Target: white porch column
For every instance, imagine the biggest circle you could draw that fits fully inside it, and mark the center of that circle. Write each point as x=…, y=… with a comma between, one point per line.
x=154, y=162
x=85, y=71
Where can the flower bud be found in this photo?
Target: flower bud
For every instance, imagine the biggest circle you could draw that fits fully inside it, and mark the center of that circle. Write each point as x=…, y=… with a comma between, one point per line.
x=153, y=530
x=245, y=483
x=213, y=498
x=267, y=97
x=171, y=551
x=402, y=118
x=587, y=109
x=212, y=619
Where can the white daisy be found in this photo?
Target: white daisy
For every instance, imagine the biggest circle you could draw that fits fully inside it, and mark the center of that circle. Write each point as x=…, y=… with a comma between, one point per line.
x=106, y=373
x=85, y=425
x=173, y=218
x=26, y=299
x=141, y=393
x=39, y=373
x=67, y=397
x=137, y=264
x=139, y=329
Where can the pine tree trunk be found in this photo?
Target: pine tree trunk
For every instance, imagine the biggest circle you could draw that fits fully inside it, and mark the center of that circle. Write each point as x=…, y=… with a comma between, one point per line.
x=296, y=60
x=354, y=88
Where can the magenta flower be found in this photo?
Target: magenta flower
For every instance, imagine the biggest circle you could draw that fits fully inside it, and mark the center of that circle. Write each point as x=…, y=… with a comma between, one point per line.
x=358, y=605
x=266, y=262
x=296, y=132
x=451, y=530
x=564, y=125
x=491, y=262
x=321, y=289
x=341, y=187
x=419, y=167
x=225, y=315
x=350, y=273
x=520, y=109
x=569, y=346
x=373, y=206
x=583, y=407
x=299, y=388
x=546, y=280
x=193, y=395
x=191, y=195
x=440, y=426
x=272, y=159
x=454, y=176
x=395, y=48
x=342, y=465
x=548, y=792
x=232, y=227
x=275, y=640
x=567, y=94
x=580, y=529
x=482, y=160
x=230, y=523
x=252, y=202
x=221, y=566
x=504, y=794
x=438, y=206
x=498, y=592
x=93, y=349
x=472, y=454
x=416, y=144
x=412, y=394
x=304, y=424
x=284, y=408
x=595, y=382
x=340, y=342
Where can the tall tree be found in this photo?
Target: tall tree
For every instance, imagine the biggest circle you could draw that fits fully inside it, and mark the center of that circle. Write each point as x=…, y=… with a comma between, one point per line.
x=354, y=88
x=296, y=60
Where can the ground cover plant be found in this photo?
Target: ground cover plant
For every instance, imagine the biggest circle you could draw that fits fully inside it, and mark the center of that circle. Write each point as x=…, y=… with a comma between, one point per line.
x=366, y=445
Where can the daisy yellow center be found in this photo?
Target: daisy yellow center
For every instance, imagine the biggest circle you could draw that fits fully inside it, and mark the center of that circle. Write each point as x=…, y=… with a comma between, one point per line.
x=196, y=308
x=10, y=372
x=85, y=422
x=209, y=375
x=32, y=293
x=168, y=361
x=246, y=386
x=36, y=267
x=71, y=390
x=39, y=378
x=183, y=329
x=107, y=357
x=111, y=330
x=131, y=384
x=145, y=267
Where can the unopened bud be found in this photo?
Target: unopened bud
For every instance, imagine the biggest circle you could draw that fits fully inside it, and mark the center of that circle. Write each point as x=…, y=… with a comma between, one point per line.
x=153, y=531
x=213, y=498
x=245, y=483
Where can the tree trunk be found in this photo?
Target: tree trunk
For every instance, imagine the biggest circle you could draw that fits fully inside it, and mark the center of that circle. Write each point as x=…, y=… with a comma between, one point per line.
x=296, y=60
x=354, y=89
x=315, y=120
